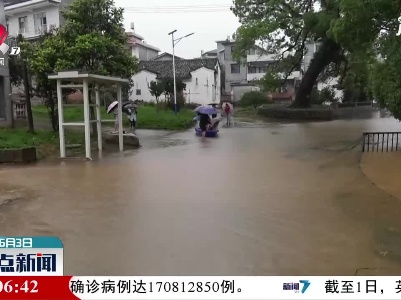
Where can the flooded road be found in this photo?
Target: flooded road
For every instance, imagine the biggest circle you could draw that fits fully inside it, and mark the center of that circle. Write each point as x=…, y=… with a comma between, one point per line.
x=275, y=200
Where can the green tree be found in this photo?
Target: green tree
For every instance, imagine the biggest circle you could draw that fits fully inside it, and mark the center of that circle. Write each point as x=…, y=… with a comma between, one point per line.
x=254, y=99
x=385, y=76
x=156, y=89
x=286, y=26
x=15, y=65
x=169, y=90
x=92, y=39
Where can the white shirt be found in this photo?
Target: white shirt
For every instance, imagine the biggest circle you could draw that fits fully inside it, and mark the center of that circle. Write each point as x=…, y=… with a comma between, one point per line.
x=131, y=115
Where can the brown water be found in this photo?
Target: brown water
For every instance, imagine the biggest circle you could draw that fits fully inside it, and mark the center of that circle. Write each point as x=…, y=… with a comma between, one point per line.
x=283, y=199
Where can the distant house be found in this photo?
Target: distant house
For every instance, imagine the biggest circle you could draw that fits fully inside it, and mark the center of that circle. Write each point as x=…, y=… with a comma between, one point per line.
x=201, y=76
x=165, y=56
x=138, y=47
x=33, y=18
x=210, y=54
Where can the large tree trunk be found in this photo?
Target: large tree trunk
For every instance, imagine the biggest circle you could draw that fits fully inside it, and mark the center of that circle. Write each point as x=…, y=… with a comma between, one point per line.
x=327, y=52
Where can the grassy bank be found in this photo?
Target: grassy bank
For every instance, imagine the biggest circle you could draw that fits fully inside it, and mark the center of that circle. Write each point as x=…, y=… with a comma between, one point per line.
x=246, y=114
x=46, y=142
x=148, y=117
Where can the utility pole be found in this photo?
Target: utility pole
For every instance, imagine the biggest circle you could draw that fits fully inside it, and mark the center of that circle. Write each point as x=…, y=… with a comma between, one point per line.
x=175, y=42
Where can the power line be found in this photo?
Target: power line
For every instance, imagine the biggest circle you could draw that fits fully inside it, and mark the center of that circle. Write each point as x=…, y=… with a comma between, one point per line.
x=178, y=9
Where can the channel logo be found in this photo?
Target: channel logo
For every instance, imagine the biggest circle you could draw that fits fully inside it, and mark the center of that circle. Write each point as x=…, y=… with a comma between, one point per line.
x=3, y=46
x=294, y=286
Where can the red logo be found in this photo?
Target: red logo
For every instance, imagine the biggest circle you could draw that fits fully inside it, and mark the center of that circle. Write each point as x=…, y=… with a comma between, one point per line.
x=3, y=34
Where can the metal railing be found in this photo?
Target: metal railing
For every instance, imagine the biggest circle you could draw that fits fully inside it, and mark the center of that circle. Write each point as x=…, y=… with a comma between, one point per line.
x=381, y=141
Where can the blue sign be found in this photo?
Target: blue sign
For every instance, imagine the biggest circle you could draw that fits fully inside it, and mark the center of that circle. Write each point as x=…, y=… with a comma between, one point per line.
x=30, y=242
x=31, y=255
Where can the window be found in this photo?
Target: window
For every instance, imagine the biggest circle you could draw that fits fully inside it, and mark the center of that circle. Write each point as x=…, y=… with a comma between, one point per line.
x=7, y=24
x=235, y=68
x=40, y=22
x=196, y=81
x=232, y=49
x=251, y=70
x=262, y=70
x=138, y=92
x=23, y=24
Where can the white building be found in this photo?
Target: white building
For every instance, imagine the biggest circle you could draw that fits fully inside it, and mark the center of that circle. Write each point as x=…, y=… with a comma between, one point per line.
x=32, y=18
x=241, y=77
x=139, y=47
x=201, y=76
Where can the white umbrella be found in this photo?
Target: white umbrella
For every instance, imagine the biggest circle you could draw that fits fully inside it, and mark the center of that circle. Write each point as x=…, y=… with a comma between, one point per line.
x=112, y=106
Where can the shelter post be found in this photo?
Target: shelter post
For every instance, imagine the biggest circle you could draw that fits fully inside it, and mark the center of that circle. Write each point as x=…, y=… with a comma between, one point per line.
x=120, y=118
x=98, y=118
x=87, y=119
x=61, y=119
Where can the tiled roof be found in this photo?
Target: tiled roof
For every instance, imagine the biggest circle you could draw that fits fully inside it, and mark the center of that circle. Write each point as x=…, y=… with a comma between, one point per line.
x=211, y=52
x=165, y=54
x=183, y=68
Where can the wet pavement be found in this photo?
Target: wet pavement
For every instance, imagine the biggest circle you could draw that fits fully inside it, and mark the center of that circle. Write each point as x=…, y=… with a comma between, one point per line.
x=277, y=199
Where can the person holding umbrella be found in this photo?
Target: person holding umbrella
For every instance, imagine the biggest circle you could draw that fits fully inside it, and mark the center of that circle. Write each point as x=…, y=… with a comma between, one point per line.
x=204, y=122
x=132, y=113
x=113, y=108
x=204, y=119
x=130, y=108
x=228, y=109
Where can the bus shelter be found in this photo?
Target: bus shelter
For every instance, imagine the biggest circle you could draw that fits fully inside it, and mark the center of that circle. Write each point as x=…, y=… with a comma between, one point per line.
x=81, y=80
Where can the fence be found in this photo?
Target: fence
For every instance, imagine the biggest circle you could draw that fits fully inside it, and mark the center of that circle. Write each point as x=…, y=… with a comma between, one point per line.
x=355, y=104
x=19, y=110
x=381, y=141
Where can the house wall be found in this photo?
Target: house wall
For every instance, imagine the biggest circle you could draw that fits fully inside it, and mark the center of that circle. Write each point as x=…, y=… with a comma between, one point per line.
x=311, y=50
x=52, y=18
x=143, y=53
x=201, y=87
x=218, y=77
x=135, y=51
x=233, y=78
x=146, y=53
x=240, y=90
x=141, y=81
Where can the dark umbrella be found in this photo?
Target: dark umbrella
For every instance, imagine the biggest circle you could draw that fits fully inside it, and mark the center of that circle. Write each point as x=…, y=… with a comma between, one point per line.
x=127, y=105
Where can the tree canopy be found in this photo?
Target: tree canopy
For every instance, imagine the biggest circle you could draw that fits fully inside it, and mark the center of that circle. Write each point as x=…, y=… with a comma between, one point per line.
x=342, y=27
x=92, y=39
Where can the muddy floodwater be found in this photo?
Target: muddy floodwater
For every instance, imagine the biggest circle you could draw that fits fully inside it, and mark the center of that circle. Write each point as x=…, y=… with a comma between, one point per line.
x=278, y=199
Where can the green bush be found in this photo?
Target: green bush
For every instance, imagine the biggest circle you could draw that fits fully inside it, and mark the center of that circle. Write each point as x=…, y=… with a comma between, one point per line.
x=254, y=99
x=325, y=95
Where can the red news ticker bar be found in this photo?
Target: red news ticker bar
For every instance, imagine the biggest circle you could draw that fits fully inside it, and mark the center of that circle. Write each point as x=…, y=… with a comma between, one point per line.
x=36, y=287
